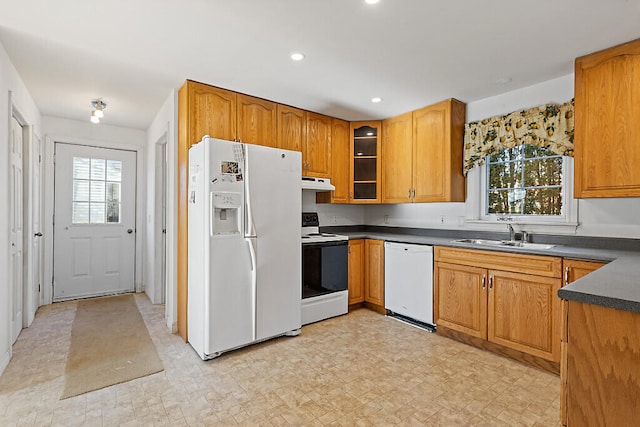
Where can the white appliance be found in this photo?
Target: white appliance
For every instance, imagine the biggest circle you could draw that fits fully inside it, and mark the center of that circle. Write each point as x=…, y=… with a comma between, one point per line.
x=408, y=281
x=325, y=272
x=244, y=245
x=317, y=184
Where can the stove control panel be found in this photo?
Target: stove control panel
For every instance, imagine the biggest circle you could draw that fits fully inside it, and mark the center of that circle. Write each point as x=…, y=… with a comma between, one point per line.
x=310, y=219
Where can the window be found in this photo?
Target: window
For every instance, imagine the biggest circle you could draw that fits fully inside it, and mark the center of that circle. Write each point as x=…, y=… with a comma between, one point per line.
x=525, y=180
x=96, y=191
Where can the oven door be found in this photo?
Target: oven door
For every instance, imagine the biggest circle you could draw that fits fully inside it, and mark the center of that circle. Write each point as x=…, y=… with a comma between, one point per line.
x=325, y=268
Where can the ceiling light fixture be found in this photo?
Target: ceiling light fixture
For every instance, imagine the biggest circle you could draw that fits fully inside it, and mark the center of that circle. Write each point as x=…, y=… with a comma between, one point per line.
x=376, y=99
x=297, y=56
x=371, y=1
x=98, y=110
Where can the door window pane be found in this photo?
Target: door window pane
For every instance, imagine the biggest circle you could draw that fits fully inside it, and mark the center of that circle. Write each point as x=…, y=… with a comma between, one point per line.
x=81, y=167
x=80, y=190
x=96, y=191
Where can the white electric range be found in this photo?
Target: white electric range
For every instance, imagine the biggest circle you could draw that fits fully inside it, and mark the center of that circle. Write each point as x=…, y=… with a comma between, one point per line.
x=325, y=272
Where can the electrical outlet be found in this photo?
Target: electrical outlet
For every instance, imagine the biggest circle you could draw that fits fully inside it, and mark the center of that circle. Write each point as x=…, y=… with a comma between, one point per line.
x=335, y=219
x=386, y=219
x=441, y=219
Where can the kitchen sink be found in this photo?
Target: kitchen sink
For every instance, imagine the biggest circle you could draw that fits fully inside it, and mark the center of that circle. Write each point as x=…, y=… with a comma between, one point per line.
x=478, y=242
x=508, y=243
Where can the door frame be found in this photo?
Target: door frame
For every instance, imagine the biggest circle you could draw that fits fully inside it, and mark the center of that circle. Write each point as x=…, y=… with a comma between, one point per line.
x=14, y=113
x=49, y=187
x=160, y=220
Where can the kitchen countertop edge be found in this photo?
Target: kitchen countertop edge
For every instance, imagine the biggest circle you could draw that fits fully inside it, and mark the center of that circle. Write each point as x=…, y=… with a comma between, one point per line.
x=616, y=285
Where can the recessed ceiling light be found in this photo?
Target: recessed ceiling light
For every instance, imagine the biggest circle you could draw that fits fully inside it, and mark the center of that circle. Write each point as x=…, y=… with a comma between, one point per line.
x=371, y=1
x=297, y=56
x=376, y=99
x=503, y=80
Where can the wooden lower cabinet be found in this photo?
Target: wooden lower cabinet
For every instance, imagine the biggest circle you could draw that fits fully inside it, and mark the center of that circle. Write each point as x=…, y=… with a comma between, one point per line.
x=601, y=377
x=374, y=273
x=575, y=269
x=460, y=297
x=513, y=309
x=356, y=271
x=366, y=273
x=524, y=313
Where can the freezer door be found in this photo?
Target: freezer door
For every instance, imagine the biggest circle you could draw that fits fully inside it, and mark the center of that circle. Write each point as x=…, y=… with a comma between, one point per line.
x=408, y=280
x=273, y=211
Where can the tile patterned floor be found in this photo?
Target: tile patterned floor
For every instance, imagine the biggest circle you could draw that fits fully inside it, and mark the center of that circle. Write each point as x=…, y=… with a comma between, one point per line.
x=362, y=369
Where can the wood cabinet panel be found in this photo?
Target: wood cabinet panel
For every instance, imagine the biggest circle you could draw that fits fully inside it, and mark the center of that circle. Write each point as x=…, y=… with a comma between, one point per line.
x=520, y=263
x=374, y=272
x=524, y=313
x=211, y=111
x=397, y=156
x=317, y=152
x=340, y=160
x=437, y=152
x=356, y=271
x=365, y=170
x=256, y=121
x=460, y=298
x=603, y=373
x=292, y=128
x=607, y=152
x=575, y=269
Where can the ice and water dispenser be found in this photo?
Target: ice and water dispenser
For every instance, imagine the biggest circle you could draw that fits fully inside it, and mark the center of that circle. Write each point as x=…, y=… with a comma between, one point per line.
x=226, y=212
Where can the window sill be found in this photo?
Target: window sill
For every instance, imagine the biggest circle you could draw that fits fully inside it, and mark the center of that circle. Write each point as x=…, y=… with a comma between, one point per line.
x=528, y=224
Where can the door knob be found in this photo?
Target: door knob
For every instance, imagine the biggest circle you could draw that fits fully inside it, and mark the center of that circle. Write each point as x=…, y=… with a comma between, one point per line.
x=38, y=235
x=129, y=231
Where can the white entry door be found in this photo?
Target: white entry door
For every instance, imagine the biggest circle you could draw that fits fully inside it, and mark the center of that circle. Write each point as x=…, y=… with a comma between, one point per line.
x=16, y=222
x=94, y=222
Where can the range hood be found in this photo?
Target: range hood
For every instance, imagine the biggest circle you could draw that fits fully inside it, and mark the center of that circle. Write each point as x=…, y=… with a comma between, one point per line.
x=317, y=184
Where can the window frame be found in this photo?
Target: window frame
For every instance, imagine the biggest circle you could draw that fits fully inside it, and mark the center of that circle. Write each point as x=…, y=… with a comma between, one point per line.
x=479, y=204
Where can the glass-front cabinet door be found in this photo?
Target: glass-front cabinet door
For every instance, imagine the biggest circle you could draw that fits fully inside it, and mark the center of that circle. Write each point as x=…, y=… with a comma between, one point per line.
x=365, y=162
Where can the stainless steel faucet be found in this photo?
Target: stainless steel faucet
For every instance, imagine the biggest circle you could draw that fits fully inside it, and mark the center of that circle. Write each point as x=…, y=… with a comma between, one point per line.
x=512, y=233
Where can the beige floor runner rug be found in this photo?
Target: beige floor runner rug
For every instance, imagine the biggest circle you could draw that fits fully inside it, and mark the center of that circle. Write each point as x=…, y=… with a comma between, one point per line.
x=110, y=344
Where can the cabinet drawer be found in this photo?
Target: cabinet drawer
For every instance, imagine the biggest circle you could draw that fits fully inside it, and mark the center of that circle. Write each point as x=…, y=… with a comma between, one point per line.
x=519, y=263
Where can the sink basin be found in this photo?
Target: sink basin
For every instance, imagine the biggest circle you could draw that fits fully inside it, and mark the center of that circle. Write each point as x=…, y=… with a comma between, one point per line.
x=508, y=243
x=479, y=242
x=528, y=245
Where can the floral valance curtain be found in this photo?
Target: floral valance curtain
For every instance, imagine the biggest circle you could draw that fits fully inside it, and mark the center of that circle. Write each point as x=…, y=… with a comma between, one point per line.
x=549, y=126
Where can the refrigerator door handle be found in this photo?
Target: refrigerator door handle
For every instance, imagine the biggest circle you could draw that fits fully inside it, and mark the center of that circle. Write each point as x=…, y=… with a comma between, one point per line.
x=249, y=225
x=253, y=255
x=251, y=243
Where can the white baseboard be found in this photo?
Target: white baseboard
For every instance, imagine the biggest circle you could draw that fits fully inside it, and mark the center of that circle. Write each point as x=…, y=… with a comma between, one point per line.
x=4, y=361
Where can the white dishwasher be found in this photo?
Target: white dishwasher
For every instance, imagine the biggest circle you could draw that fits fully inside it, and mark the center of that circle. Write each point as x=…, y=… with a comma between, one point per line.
x=408, y=281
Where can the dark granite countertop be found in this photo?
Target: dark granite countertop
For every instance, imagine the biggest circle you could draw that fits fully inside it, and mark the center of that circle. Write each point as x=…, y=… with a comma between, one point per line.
x=616, y=285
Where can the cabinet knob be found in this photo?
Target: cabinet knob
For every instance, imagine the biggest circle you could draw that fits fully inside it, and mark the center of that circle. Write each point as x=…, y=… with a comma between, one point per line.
x=484, y=281
x=490, y=282
x=409, y=194
x=566, y=275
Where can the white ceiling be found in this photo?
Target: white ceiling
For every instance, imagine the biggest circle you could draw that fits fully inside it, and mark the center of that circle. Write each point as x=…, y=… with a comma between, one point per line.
x=409, y=52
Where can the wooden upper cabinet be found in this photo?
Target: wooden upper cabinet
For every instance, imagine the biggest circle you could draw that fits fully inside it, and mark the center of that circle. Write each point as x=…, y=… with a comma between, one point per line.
x=365, y=163
x=437, y=152
x=256, y=121
x=340, y=161
x=210, y=111
x=292, y=128
x=607, y=113
x=316, y=155
x=397, y=155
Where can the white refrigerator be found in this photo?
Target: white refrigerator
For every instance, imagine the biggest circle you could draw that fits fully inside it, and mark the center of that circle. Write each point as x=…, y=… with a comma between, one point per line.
x=244, y=263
